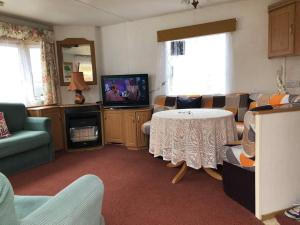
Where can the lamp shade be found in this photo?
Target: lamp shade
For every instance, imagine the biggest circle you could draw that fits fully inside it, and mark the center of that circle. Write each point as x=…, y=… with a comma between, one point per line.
x=77, y=82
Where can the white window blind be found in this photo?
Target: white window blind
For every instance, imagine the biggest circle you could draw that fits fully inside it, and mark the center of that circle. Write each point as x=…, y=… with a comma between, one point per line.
x=202, y=69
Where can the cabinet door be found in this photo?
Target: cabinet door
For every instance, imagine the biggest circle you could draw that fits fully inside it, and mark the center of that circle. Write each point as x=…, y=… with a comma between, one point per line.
x=56, y=127
x=130, y=129
x=113, y=129
x=281, y=31
x=142, y=117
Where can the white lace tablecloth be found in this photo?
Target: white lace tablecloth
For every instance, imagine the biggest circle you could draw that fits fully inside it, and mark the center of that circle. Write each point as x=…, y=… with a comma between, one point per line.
x=196, y=136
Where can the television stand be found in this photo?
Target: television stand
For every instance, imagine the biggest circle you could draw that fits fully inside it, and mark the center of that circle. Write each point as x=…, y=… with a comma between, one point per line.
x=123, y=126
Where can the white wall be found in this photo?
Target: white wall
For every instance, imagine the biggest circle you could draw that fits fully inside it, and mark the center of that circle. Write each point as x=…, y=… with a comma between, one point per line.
x=132, y=47
x=89, y=33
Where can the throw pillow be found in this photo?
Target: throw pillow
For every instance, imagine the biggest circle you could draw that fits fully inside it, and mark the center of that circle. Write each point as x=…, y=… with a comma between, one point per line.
x=188, y=102
x=277, y=99
x=262, y=108
x=4, y=132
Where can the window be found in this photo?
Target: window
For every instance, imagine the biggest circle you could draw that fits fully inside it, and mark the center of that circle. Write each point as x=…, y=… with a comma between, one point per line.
x=36, y=67
x=200, y=67
x=20, y=73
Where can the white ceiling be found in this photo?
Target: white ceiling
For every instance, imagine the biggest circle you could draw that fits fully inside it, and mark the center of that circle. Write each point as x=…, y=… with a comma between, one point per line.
x=95, y=12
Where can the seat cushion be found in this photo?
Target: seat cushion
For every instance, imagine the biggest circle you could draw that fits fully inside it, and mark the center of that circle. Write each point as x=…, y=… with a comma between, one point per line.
x=22, y=141
x=236, y=155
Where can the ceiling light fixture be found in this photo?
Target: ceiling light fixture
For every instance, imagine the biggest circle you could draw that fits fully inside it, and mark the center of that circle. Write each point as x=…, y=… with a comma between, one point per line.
x=1, y=3
x=192, y=2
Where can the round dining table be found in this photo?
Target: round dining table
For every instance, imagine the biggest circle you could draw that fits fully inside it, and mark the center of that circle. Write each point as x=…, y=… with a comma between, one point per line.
x=191, y=137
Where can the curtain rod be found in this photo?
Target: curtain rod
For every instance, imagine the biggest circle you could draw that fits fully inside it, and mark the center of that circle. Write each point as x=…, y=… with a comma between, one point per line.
x=17, y=20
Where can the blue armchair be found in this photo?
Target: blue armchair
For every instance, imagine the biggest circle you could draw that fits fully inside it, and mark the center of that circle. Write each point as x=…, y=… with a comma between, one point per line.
x=78, y=204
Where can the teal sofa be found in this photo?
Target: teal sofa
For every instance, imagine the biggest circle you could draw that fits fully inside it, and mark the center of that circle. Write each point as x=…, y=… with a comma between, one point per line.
x=30, y=143
x=78, y=204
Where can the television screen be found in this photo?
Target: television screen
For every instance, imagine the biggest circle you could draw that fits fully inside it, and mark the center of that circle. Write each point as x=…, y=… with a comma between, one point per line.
x=125, y=90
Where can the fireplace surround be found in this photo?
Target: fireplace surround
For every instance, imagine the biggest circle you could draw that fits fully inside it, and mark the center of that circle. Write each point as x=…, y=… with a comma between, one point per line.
x=83, y=127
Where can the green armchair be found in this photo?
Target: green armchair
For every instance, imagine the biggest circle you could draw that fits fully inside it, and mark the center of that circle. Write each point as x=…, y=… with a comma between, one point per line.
x=78, y=204
x=30, y=143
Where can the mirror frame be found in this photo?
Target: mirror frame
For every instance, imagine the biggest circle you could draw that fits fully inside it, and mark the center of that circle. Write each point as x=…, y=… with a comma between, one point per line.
x=75, y=41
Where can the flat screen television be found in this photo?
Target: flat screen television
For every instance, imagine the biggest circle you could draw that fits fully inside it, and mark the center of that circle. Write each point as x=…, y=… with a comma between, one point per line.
x=131, y=90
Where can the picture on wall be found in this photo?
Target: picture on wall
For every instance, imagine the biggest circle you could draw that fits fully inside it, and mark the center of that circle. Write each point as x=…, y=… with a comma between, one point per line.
x=68, y=68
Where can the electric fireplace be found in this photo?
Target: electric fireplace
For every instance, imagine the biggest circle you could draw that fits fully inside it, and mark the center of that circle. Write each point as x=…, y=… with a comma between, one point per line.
x=83, y=126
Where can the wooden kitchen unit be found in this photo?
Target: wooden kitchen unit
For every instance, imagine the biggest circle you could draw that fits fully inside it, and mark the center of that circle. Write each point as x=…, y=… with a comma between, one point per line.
x=284, y=28
x=123, y=126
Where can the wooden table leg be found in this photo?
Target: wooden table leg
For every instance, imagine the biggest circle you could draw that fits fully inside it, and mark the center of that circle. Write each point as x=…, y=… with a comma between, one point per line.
x=171, y=165
x=180, y=174
x=213, y=173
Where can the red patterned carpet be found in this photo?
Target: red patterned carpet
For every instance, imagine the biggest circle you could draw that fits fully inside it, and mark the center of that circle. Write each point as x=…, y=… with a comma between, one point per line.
x=138, y=190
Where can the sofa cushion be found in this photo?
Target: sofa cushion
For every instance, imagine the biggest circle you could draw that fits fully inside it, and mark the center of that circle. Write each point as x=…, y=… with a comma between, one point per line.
x=213, y=101
x=160, y=100
x=15, y=115
x=240, y=129
x=278, y=99
x=160, y=108
x=188, y=102
x=236, y=155
x=238, y=101
x=170, y=101
x=23, y=141
x=219, y=101
x=164, y=100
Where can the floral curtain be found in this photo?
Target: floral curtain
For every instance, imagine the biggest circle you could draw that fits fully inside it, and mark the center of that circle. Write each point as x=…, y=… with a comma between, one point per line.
x=49, y=73
x=49, y=68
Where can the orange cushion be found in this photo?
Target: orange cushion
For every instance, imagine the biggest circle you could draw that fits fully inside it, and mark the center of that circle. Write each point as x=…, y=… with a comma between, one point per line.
x=207, y=102
x=276, y=99
x=160, y=100
x=246, y=162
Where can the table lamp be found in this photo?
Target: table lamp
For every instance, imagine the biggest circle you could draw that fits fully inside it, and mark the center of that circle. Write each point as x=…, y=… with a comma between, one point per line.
x=78, y=84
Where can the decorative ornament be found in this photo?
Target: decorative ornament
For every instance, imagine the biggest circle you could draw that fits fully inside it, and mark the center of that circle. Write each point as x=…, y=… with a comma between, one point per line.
x=281, y=89
x=195, y=3
x=192, y=2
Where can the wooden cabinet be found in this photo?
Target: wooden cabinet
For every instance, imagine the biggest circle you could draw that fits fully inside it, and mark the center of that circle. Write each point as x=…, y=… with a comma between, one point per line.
x=52, y=112
x=284, y=28
x=130, y=124
x=113, y=131
x=124, y=126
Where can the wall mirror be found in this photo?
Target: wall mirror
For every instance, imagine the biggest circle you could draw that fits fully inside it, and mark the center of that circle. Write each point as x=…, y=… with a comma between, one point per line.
x=72, y=52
